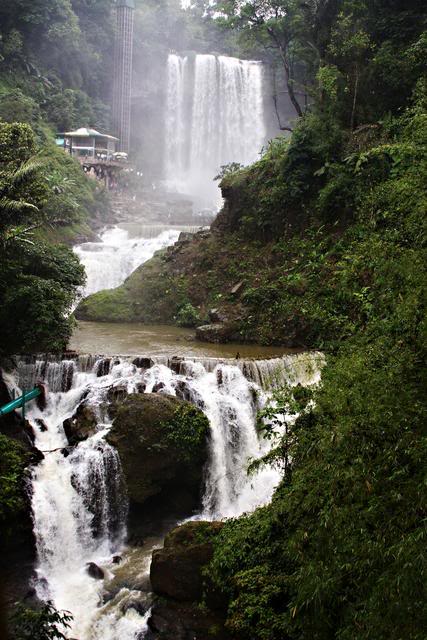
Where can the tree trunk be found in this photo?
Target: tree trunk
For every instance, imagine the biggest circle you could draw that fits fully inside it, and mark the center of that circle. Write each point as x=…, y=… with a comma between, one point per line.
x=289, y=79
x=356, y=90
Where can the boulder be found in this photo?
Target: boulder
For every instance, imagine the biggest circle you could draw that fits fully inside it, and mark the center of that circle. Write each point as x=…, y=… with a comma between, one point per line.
x=81, y=426
x=143, y=363
x=162, y=444
x=94, y=571
x=218, y=332
x=176, y=570
x=103, y=368
x=186, y=604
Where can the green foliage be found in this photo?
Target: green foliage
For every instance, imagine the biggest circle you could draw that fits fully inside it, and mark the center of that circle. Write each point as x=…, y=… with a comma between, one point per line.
x=228, y=170
x=13, y=460
x=340, y=551
x=38, y=281
x=188, y=316
x=186, y=431
x=46, y=623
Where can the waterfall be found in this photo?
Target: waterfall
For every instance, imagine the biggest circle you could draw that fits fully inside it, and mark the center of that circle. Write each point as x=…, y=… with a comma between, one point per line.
x=214, y=116
x=78, y=499
x=109, y=262
x=175, y=115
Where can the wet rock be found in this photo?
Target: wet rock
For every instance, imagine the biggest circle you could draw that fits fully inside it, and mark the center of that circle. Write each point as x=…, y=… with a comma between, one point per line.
x=138, y=602
x=29, y=431
x=184, y=392
x=117, y=559
x=103, y=368
x=178, y=581
x=219, y=376
x=67, y=376
x=141, y=387
x=158, y=387
x=117, y=394
x=65, y=452
x=42, y=424
x=36, y=456
x=176, y=570
x=143, y=363
x=94, y=571
x=81, y=426
x=175, y=365
x=184, y=236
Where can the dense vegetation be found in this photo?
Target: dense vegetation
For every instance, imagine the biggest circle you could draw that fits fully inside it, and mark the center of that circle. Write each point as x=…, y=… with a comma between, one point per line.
x=340, y=552
x=321, y=244
x=54, y=60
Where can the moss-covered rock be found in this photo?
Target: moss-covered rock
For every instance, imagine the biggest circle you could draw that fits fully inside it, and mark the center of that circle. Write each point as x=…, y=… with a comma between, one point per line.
x=162, y=443
x=81, y=425
x=177, y=569
x=187, y=605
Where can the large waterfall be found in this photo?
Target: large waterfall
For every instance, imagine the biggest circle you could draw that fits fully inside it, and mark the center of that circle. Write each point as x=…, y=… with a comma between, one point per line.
x=78, y=498
x=214, y=116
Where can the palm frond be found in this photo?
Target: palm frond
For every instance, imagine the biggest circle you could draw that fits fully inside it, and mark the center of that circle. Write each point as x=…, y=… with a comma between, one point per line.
x=26, y=171
x=10, y=206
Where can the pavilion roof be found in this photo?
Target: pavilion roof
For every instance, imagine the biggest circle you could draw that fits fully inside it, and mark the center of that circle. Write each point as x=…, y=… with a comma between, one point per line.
x=84, y=132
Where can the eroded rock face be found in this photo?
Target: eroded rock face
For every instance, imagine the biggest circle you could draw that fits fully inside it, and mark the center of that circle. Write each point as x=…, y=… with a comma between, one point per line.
x=177, y=580
x=81, y=426
x=162, y=444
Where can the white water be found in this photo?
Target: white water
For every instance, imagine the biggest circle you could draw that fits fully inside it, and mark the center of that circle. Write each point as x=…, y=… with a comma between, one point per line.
x=214, y=116
x=78, y=502
x=109, y=262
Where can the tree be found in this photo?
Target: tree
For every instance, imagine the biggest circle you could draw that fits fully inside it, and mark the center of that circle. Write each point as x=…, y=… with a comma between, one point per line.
x=46, y=623
x=38, y=282
x=277, y=26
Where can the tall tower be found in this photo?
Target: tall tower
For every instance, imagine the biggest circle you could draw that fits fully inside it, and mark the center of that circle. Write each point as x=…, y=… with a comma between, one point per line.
x=123, y=72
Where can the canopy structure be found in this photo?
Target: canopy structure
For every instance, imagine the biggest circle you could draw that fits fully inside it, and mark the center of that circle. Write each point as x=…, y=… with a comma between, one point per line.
x=84, y=132
x=86, y=143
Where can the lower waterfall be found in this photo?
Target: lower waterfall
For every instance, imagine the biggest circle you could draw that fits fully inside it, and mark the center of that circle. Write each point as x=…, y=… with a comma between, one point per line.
x=111, y=260
x=78, y=498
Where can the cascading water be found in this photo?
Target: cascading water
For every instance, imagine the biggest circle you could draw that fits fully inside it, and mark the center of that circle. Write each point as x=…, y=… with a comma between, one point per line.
x=214, y=116
x=109, y=262
x=79, y=506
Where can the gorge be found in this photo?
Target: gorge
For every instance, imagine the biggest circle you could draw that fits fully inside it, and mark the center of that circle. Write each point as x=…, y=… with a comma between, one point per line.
x=212, y=320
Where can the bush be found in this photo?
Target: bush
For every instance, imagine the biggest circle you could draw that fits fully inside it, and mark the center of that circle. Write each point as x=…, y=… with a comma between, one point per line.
x=188, y=316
